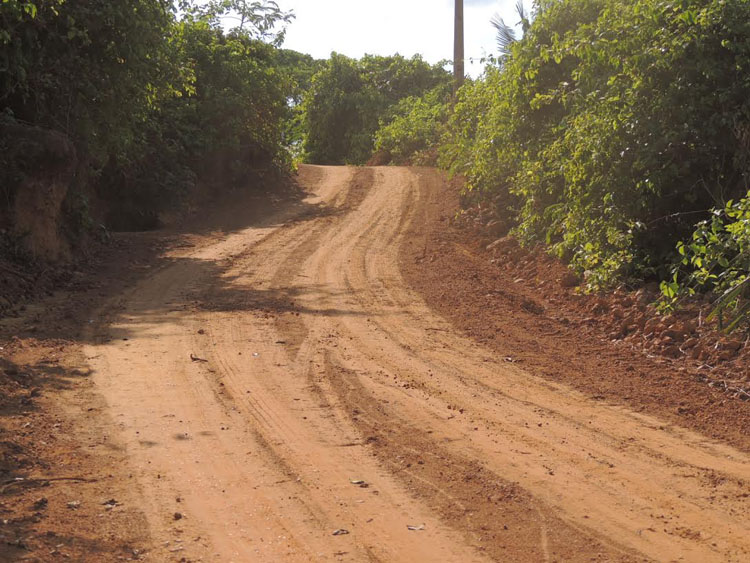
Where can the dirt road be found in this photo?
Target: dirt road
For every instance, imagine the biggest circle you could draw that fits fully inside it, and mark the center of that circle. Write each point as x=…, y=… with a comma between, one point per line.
x=283, y=382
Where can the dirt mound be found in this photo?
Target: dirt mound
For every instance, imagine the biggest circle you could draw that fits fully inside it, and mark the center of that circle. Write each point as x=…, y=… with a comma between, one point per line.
x=40, y=166
x=631, y=318
x=525, y=305
x=628, y=317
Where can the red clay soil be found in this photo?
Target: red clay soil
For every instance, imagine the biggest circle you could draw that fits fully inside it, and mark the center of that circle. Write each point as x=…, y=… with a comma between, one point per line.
x=67, y=488
x=65, y=492
x=514, y=301
x=58, y=473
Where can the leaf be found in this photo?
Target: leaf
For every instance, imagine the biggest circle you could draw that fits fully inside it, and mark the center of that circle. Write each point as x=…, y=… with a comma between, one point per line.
x=740, y=317
x=728, y=297
x=30, y=9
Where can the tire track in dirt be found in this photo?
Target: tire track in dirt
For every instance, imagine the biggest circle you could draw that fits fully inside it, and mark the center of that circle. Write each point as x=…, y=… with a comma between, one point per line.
x=256, y=478
x=528, y=541
x=322, y=366
x=288, y=268
x=316, y=455
x=597, y=441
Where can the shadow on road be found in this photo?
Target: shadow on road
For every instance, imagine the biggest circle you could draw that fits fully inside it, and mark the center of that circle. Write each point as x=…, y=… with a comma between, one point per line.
x=85, y=309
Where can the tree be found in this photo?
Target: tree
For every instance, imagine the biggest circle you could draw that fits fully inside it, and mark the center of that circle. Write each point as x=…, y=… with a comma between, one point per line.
x=255, y=19
x=611, y=127
x=458, y=45
x=153, y=104
x=349, y=98
x=506, y=35
x=341, y=110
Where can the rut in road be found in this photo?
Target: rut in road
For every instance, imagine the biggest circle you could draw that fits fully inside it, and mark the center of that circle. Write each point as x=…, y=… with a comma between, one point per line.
x=322, y=368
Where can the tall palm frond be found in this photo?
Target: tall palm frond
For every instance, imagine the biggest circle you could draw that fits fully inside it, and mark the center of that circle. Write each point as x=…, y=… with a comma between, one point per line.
x=506, y=35
x=523, y=15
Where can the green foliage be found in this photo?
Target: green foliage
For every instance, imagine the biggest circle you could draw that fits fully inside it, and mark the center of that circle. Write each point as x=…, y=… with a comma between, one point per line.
x=348, y=98
x=298, y=69
x=237, y=97
x=223, y=127
x=253, y=19
x=396, y=77
x=717, y=259
x=610, y=126
x=90, y=69
x=340, y=110
x=415, y=128
x=153, y=104
x=478, y=143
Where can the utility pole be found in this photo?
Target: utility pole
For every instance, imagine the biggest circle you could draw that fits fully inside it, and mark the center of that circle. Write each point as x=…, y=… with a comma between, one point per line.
x=458, y=46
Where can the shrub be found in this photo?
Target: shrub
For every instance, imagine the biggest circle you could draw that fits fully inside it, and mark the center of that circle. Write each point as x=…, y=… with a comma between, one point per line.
x=717, y=259
x=348, y=98
x=610, y=127
x=153, y=104
x=414, y=129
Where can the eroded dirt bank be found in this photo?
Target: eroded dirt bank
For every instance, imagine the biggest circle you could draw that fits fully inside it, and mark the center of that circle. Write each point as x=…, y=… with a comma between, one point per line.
x=285, y=381
x=522, y=310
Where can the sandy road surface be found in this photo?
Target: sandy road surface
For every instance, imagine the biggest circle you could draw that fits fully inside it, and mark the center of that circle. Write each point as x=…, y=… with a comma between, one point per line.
x=256, y=376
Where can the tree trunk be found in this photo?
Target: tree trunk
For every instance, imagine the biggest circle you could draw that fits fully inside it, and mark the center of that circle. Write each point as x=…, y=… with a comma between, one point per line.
x=458, y=46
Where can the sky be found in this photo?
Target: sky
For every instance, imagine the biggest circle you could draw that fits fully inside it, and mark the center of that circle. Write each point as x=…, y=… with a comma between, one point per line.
x=384, y=27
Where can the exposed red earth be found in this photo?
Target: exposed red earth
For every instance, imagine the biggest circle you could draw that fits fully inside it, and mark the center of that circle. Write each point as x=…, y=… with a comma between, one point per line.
x=344, y=376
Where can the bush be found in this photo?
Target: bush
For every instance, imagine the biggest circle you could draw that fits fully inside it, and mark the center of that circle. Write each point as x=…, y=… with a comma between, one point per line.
x=298, y=68
x=153, y=104
x=89, y=69
x=717, y=259
x=340, y=110
x=610, y=127
x=415, y=128
x=222, y=127
x=348, y=98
